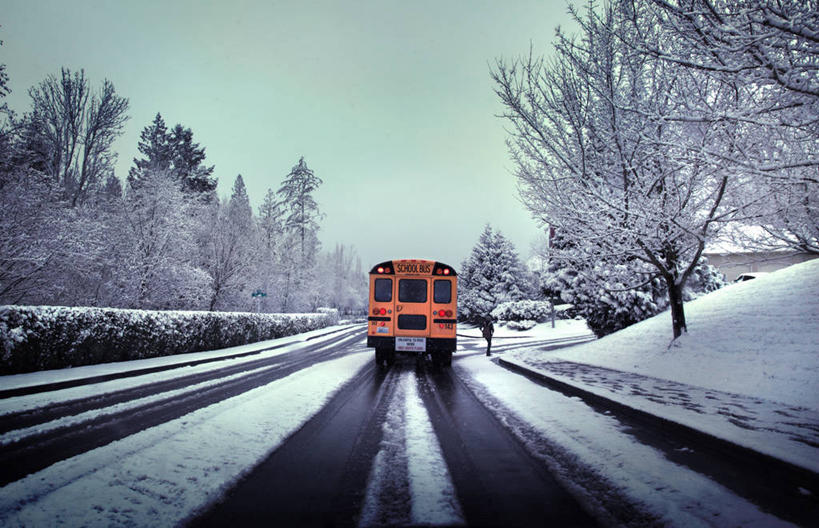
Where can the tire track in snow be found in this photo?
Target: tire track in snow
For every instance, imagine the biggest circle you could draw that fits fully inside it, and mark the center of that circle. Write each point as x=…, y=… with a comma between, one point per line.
x=409, y=483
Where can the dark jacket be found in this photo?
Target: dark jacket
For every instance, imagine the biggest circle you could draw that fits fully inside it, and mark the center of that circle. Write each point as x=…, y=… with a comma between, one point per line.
x=487, y=330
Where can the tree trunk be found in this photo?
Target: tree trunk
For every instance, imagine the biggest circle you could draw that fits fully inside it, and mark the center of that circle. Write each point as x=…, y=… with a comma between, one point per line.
x=675, y=298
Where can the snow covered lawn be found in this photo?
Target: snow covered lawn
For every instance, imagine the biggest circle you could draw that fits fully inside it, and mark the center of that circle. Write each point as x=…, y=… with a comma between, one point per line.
x=747, y=371
x=758, y=338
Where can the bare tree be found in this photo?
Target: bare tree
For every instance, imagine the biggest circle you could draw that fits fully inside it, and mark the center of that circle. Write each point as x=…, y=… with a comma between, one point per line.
x=74, y=129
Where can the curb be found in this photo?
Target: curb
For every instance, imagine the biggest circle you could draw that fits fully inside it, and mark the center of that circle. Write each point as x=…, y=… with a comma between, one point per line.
x=788, y=474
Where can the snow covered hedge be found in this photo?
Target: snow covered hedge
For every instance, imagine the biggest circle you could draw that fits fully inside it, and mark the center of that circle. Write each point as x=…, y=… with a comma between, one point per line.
x=48, y=337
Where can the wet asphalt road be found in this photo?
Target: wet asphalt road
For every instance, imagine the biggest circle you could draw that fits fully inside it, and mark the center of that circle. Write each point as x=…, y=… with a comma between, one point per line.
x=319, y=476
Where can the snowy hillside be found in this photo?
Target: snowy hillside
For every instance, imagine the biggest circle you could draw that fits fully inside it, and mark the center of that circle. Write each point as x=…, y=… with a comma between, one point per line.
x=758, y=338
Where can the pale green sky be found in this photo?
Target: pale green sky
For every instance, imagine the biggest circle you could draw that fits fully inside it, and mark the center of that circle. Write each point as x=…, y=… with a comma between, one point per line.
x=389, y=102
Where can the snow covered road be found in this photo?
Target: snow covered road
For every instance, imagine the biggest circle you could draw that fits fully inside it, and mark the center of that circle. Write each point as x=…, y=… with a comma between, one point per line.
x=312, y=432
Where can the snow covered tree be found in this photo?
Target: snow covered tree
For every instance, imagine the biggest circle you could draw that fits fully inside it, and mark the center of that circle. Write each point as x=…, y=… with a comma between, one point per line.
x=270, y=221
x=228, y=246
x=342, y=281
x=266, y=273
x=491, y=275
x=769, y=53
x=239, y=209
x=73, y=130
x=605, y=155
x=32, y=236
x=157, y=247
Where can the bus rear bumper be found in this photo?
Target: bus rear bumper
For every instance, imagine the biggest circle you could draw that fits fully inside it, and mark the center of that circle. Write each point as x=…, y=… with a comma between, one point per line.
x=434, y=344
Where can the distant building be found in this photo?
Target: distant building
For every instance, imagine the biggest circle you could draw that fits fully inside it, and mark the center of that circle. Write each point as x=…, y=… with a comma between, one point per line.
x=732, y=263
x=749, y=249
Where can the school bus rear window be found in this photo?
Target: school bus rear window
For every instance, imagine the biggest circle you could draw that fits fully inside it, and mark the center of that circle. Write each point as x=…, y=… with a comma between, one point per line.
x=442, y=292
x=412, y=290
x=383, y=290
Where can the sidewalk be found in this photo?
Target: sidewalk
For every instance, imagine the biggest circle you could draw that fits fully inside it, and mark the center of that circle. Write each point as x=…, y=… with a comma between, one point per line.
x=784, y=432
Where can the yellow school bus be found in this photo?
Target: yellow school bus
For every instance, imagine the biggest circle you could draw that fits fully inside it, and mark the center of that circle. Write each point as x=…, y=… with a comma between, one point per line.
x=413, y=309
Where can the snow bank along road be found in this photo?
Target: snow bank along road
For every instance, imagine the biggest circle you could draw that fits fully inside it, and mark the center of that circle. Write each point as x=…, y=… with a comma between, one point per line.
x=312, y=433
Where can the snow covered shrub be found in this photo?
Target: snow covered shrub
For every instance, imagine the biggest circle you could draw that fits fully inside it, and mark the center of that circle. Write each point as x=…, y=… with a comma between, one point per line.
x=704, y=279
x=528, y=309
x=611, y=297
x=603, y=295
x=521, y=325
x=49, y=337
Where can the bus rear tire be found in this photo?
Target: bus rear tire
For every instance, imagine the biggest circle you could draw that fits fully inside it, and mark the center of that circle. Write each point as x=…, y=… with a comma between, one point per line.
x=442, y=359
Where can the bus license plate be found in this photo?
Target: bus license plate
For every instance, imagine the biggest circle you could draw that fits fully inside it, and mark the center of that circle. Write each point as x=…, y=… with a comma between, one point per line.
x=411, y=344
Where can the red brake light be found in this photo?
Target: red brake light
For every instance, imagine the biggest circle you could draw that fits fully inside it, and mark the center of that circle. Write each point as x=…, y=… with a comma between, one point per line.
x=383, y=311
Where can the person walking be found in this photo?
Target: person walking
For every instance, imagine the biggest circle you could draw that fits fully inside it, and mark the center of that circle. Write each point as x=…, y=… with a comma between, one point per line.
x=488, y=329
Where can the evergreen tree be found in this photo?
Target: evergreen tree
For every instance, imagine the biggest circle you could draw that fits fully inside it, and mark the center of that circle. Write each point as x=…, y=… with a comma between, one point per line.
x=299, y=244
x=187, y=162
x=154, y=146
x=112, y=188
x=301, y=212
x=175, y=153
x=241, y=215
x=491, y=275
